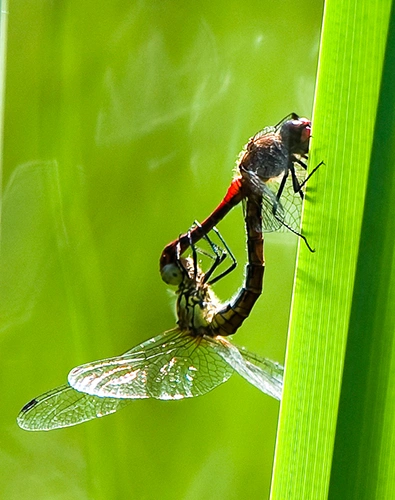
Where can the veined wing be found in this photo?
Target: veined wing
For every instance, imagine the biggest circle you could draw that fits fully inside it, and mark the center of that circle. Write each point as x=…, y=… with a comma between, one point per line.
x=288, y=209
x=265, y=374
x=64, y=407
x=291, y=202
x=173, y=365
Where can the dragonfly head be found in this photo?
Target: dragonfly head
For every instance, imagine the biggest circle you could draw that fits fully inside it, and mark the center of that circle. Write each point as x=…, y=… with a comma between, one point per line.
x=172, y=266
x=182, y=273
x=171, y=269
x=295, y=134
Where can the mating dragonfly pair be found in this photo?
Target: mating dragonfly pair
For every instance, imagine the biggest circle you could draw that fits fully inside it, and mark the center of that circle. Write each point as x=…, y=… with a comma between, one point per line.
x=196, y=356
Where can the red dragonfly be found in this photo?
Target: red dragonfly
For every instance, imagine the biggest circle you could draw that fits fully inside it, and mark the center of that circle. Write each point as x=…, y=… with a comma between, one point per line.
x=271, y=166
x=187, y=361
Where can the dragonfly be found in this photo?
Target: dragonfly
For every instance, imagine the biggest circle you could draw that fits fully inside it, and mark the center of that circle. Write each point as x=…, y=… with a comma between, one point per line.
x=272, y=166
x=187, y=361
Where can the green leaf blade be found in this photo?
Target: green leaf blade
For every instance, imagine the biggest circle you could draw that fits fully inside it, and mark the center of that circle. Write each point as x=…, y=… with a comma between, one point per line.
x=363, y=465
x=351, y=59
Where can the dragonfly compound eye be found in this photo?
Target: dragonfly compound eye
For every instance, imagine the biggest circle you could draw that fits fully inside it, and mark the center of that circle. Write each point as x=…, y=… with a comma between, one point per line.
x=171, y=274
x=295, y=134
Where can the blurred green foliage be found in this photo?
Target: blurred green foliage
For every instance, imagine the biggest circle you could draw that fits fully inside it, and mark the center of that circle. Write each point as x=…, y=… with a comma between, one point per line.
x=123, y=121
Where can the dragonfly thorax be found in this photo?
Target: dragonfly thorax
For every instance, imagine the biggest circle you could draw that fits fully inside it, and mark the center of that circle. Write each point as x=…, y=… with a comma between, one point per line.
x=268, y=154
x=196, y=302
x=265, y=156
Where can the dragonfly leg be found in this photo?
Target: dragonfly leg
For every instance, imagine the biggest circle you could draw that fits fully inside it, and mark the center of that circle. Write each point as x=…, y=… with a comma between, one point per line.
x=311, y=173
x=281, y=221
x=295, y=183
x=299, y=161
x=194, y=255
x=291, y=116
x=219, y=255
x=226, y=252
x=280, y=192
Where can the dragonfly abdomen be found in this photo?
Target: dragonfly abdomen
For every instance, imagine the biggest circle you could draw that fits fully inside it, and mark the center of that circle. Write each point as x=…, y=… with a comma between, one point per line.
x=226, y=321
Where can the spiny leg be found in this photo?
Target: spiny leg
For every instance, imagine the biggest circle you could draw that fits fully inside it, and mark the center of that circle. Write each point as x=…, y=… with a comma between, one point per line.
x=219, y=255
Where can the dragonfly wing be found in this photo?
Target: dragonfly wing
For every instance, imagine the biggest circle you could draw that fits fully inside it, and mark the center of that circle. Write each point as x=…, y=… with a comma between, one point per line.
x=267, y=191
x=277, y=214
x=173, y=365
x=269, y=201
x=64, y=407
x=265, y=374
x=291, y=203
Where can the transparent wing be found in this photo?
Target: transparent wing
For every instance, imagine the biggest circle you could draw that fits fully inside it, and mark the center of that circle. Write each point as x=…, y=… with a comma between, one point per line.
x=63, y=407
x=173, y=365
x=269, y=204
x=286, y=211
x=265, y=374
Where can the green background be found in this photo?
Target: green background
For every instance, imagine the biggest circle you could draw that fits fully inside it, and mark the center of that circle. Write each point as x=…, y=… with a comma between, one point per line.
x=123, y=121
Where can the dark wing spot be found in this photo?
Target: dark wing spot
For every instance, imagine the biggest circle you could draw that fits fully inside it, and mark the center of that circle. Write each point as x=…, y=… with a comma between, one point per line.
x=29, y=405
